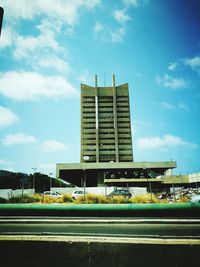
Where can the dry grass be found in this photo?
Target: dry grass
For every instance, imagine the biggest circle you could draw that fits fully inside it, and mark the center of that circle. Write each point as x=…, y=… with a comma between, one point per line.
x=183, y=199
x=50, y=200
x=144, y=199
x=91, y=199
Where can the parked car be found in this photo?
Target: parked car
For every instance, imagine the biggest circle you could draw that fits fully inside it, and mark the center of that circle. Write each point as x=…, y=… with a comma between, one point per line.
x=52, y=194
x=76, y=194
x=195, y=199
x=121, y=192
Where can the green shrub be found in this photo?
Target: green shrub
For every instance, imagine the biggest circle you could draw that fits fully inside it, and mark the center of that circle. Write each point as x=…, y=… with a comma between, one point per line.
x=66, y=198
x=23, y=199
x=118, y=200
x=37, y=198
x=3, y=200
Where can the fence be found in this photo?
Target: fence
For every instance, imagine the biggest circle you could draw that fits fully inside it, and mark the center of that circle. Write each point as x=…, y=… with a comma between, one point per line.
x=8, y=193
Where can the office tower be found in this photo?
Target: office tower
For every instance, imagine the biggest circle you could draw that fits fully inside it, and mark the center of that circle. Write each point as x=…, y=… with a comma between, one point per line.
x=105, y=123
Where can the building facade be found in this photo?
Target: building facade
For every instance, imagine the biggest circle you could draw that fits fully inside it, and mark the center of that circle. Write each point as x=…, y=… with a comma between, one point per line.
x=105, y=123
x=106, y=156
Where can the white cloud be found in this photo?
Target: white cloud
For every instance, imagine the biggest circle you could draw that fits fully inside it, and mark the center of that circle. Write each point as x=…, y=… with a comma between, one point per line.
x=7, y=37
x=172, y=66
x=164, y=142
x=27, y=46
x=59, y=15
x=54, y=63
x=7, y=117
x=193, y=63
x=67, y=11
x=24, y=86
x=19, y=138
x=121, y=16
x=54, y=145
x=169, y=82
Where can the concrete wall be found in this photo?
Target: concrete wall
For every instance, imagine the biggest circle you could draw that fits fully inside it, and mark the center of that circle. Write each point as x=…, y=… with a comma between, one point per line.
x=194, y=177
x=112, y=252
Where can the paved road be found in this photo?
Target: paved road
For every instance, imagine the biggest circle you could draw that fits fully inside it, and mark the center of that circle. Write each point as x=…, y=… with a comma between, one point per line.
x=109, y=227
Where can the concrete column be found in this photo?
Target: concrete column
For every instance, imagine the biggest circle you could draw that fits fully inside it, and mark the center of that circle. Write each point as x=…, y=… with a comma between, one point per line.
x=115, y=118
x=97, y=120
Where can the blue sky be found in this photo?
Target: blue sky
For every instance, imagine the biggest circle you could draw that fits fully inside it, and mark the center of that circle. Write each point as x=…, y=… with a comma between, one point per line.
x=47, y=48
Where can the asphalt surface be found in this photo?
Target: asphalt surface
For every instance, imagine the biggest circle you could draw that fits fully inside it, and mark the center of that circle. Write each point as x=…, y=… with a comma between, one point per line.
x=109, y=227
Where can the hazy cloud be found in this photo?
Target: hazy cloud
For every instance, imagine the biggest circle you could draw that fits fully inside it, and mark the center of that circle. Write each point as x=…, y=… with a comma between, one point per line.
x=54, y=63
x=170, y=106
x=53, y=145
x=105, y=34
x=193, y=63
x=133, y=3
x=118, y=35
x=172, y=83
x=4, y=162
x=167, y=105
x=172, y=66
x=86, y=77
x=47, y=168
x=17, y=139
x=164, y=142
x=121, y=16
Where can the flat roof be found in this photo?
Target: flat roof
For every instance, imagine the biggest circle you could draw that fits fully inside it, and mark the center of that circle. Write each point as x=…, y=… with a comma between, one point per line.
x=117, y=165
x=132, y=180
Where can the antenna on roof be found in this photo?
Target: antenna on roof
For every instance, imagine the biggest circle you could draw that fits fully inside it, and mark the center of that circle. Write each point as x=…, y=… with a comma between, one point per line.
x=95, y=78
x=104, y=80
x=113, y=80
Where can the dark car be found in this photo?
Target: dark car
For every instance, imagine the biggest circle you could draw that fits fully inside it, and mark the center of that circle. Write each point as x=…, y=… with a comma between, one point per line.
x=121, y=192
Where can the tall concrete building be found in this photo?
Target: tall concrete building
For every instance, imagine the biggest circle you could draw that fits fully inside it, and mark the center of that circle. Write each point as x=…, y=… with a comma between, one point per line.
x=105, y=123
x=106, y=156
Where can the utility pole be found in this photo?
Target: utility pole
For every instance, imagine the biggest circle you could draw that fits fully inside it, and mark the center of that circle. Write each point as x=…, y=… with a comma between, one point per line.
x=34, y=169
x=50, y=181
